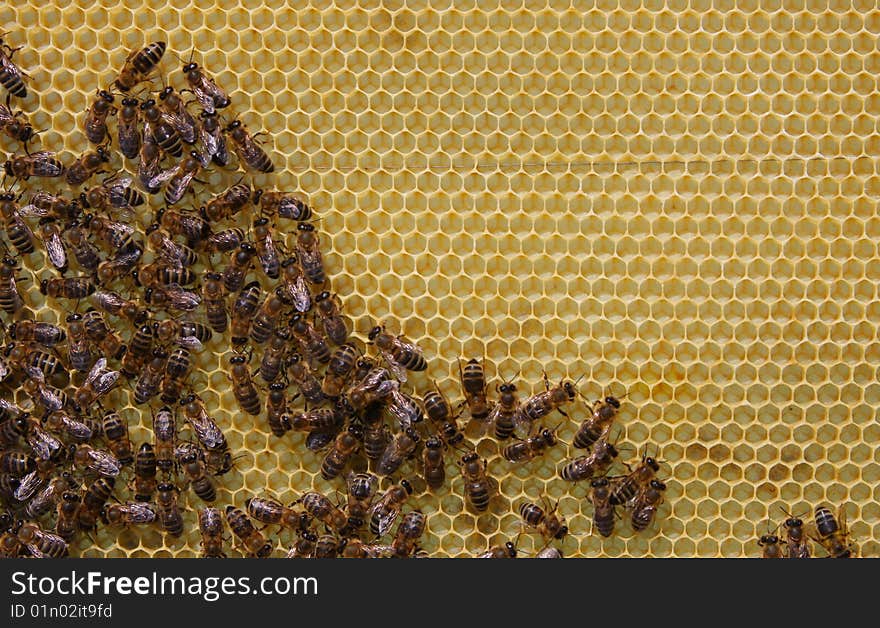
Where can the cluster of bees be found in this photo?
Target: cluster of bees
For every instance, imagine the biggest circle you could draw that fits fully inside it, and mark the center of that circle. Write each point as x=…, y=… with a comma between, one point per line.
x=829, y=531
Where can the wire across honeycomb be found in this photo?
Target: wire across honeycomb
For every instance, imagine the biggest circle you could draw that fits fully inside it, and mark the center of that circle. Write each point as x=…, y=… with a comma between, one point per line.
x=673, y=199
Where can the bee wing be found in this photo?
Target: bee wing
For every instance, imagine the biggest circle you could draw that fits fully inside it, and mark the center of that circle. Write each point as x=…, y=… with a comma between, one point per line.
x=43, y=444
x=385, y=517
x=301, y=295
x=268, y=254
x=97, y=369
x=487, y=425
x=5, y=115
x=396, y=369
x=209, y=94
x=181, y=180
x=4, y=371
x=8, y=68
x=104, y=463
x=206, y=431
x=45, y=164
x=210, y=141
x=28, y=486
x=141, y=512
x=35, y=374
x=190, y=342
x=55, y=251
x=106, y=381
x=182, y=299
x=183, y=123
x=77, y=430
x=32, y=211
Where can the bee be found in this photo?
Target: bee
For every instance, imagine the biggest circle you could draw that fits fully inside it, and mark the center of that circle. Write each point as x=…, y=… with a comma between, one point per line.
x=114, y=192
x=625, y=488
x=646, y=504
x=14, y=426
x=48, y=497
x=266, y=317
x=101, y=462
x=172, y=297
x=75, y=288
x=243, y=386
x=17, y=230
x=139, y=348
x=273, y=356
x=116, y=432
x=272, y=512
x=770, y=545
x=224, y=241
x=294, y=286
x=113, y=303
x=342, y=363
x=181, y=177
x=226, y=204
x=176, y=369
x=50, y=399
x=129, y=514
x=138, y=66
x=10, y=546
x=50, y=235
x=598, y=460
x=542, y=404
x=145, y=465
x=47, y=204
x=42, y=164
x=117, y=235
x=128, y=131
x=548, y=523
x=322, y=509
x=479, y=487
x=267, y=254
x=62, y=423
x=549, y=552
x=95, y=125
x=11, y=76
x=93, y=501
x=175, y=112
x=10, y=299
x=331, y=318
x=211, y=529
x=26, y=357
x=42, y=544
x=45, y=334
x=318, y=420
x=150, y=379
x=249, y=152
x=473, y=384
x=386, y=509
x=411, y=528
x=68, y=507
x=504, y=415
x=311, y=343
x=43, y=445
x=276, y=409
x=213, y=140
x=282, y=204
x=398, y=353
x=308, y=252
x=149, y=169
x=832, y=533
x=99, y=333
x=344, y=447
x=304, y=546
x=159, y=274
x=122, y=265
x=376, y=434
x=530, y=448
x=356, y=548
x=254, y=543
x=97, y=384
x=433, y=463
x=165, y=437
x=603, y=510
x=218, y=458
x=189, y=334
x=305, y=379
x=196, y=473
x=797, y=545
x=15, y=125
x=160, y=131
x=206, y=91
x=402, y=446
x=86, y=165
x=361, y=488
x=234, y=274
x=593, y=427
x=170, y=516
x=215, y=302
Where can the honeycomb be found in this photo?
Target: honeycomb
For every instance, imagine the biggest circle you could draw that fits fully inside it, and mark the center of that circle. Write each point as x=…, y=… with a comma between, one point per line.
x=671, y=199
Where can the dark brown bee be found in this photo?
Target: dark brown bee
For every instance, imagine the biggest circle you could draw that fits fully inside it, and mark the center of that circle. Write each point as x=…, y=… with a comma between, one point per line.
x=276, y=409
x=603, y=510
x=165, y=438
x=322, y=509
x=376, y=434
x=145, y=466
x=196, y=473
x=169, y=510
x=176, y=369
x=531, y=447
x=434, y=465
x=625, y=488
x=175, y=112
x=320, y=419
x=304, y=546
x=13, y=428
x=404, y=409
x=410, y=530
x=361, y=487
x=214, y=299
x=308, y=253
x=226, y=204
x=139, y=348
x=84, y=252
x=50, y=236
x=255, y=544
x=508, y=550
x=189, y=334
x=40, y=543
x=401, y=447
x=305, y=379
x=282, y=204
x=159, y=274
x=206, y=91
x=272, y=512
x=47, y=398
x=43, y=164
x=244, y=308
x=17, y=230
x=504, y=414
x=384, y=512
x=542, y=404
x=266, y=318
x=217, y=455
x=157, y=127
x=116, y=433
x=97, y=460
x=234, y=274
x=342, y=363
x=116, y=235
x=15, y=125
x=149, y=169
x=249, y=152
x=113, y=193
x=45, y=334
x=478, y=486
x=98, y=383
x=312, y=344
x=599, y=459
x=267, y=253
x=150, y=380
x=95, y=125
x=646, y=504
x=211, y=529
x=344, y=447
x=172, y=297
x=93, y=501
x=60, y=422
x=595, y=425
x=67, y=287
x=294, y=285
x=213, y=139
x=770, y=545
x=27, y=357
x=473, y=384
x=547, y=522
x=66, y=524
x=11, y=76
x=796, y=541
x=224, y=241
x=181, y=177
x=833, y=533
x=87, y=165
x=128, y=131
x=334, y=324
x=122, y=265
x=99, y=333
x=10, y=299
x=138, y=66
x=273, y=356
x=48, y=496
x=243, y=386
x=45, y=204
x=132, y=513
x=326, y=546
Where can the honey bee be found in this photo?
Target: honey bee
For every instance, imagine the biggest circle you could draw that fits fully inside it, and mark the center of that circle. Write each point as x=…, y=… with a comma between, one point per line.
x=75, y=288
x=180, y=178
x=113, y=193
x=646, y=504
x=272, y=512
x=206, y=91
x=399, y=354
x=342, y=363
x=48, y=497
x=42, y=544
x=334, y=324
x=249, y=152
x=98, y=332
x=833, y=533
x=145, y=465
x=234, y=274
x=603, y=510
x=361, y=488
x=597, y=461
x=138, y=66
x=14, y=426
x=17, y=230
x=243, y=386
x=531, y=447
x=116, y=432
x=211, y=437
x=27, y=357
x=44, y=204
x=282, y=204
x=128, y=132
x=356, y=548
x=508, y=550
x=401, y=447
x=770, y=545
x=276, y=409
x=311, y=343
x=265, y=318
x=176, y=369
x=95, y=125
x=11, y=76
x=93, y=501
x=150, y=379
x=304, y=546
x=404, y=409
x=98, y=383
x=172, y=297
x=50, y=235
x=177, y=115
x=226, y=204
x=213, y=140
x=50, y=399
x=215, y=302
x=224, y=241
x=211, y=529
x=305, y=379
x=410, y=530
x=548, y=523
x=594, y=426
x=189, y=334
x=165, y=435
x=308, y=253
x=439, y=411
x=129, y=514
x=10, y=299
x=478, y=486
x=625, y=488
x=322, y=509
x=505, y=414
x=42, y=164
x=267, y=253
x=45, y=334
x=473, y=384
x=170, y=516
x=196, y=473
x=273, y=356
x=161, y=131
x=542, y=404
x=386, y=509
x=86, y=166
x=122, y=265
x=317, y=420
x=254, y=543
x=101, y=462
x=139, y=348
x=344, y=447
x=66, y=523
x=149, y=168
x=62, y=423
x=15, y=125
x=797, y=544
x=294, y=286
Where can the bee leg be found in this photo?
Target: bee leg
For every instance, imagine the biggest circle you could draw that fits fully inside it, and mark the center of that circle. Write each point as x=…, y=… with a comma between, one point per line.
x=546, y=381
